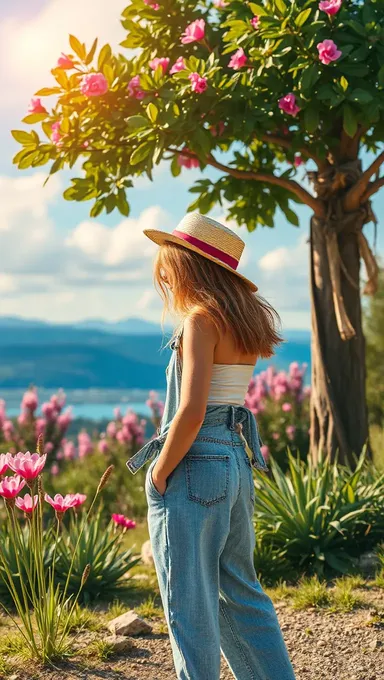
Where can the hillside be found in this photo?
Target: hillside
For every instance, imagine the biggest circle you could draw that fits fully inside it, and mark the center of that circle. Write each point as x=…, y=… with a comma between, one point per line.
x=74, y=357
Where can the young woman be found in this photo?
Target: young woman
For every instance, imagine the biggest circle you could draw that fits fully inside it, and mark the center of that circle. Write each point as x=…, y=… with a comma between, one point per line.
x=199, y=485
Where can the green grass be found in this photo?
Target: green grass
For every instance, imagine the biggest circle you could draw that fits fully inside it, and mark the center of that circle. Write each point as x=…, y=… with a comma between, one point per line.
x=343, y=597
x=148, y=609
x=310, y=592
x=85, y=619
x=100, y=649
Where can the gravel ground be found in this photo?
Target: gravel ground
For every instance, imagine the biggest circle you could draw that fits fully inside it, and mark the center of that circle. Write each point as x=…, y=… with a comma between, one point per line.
x=322, y=645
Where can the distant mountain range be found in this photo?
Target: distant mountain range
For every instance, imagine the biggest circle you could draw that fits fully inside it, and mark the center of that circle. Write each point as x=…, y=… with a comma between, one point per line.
x=127, y=354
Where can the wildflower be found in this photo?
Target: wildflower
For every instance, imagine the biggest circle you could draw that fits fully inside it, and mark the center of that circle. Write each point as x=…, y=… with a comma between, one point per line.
x=286, y=407
x=330, y=7
x=93, y=84
x=163, y=62
x=199, y=83
x=3, y=463
x=255, y=22
x=35, y=106
x=28, y=465
x=26, y=504
x=65, y=62
x=126, y=523
x=134, y=89
x=328, y=52
x=238, y=59
x=194, y=32
x=288, y=104
x=10, y=487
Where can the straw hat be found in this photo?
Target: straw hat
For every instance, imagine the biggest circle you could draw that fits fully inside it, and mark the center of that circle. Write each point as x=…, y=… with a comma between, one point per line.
x=208, y=238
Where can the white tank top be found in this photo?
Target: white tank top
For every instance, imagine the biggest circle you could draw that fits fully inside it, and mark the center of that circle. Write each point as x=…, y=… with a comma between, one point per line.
x=229, y=383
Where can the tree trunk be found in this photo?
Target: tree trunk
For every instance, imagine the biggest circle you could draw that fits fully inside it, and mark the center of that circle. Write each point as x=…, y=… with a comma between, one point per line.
x=339, y=421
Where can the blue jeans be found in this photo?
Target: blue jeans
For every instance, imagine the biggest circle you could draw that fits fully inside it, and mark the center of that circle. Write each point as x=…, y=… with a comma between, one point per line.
x=203, y=541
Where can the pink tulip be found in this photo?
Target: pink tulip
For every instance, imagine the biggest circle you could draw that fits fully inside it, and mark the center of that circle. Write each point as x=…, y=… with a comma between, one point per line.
x=238, y=59
x=328, y=52
x=265, y=452
x=179, y=65
x=298, y=160
x=199, y=83
x=255, y=22
x=124, y=521
x=26, y=504
x=35, y=106
x=79, y=499
x=93, y=84
x=134, y=89
x=288, y=104
x=65, y=62
x=286, y=407
x=194, y=32
x=3, y=463
x=187, y=161
x=153, y=5
x=28, y=465
x=62, y=503
x=330, y=7
x=10, y=487
x=163, y=62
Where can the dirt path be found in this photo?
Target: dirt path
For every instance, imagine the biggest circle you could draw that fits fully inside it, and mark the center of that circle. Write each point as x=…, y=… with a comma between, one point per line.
x=322, y=646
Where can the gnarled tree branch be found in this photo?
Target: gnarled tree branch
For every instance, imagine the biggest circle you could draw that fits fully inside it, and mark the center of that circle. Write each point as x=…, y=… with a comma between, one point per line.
x=289, y=184
x=286, y=143
x=354, y=196
x=372, y=188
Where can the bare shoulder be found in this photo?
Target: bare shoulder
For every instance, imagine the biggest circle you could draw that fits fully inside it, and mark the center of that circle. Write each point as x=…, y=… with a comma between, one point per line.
x=197, y=323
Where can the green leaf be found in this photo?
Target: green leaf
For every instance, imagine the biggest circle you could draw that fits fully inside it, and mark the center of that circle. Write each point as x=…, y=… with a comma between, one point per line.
x=62, y=78
x=46, y=91
x=291, y=216
x=344, y=83
x=152, y=112
x=380, y=76
x=281, y=6
x=310, y=76
x=358, y=28
x=302, y=17
x=258, y=10
x=109, y=73
x=360, y=96
x=26, y=162
x=138, y=121
x=349, y=121
x=104, y=56
x=122, y=203
x=97, y=208
x=175, y=167
x=91, y=53
x=77, y=47
x=140, y=153
x=23, y=137
x=311, y=118
x=34, y=118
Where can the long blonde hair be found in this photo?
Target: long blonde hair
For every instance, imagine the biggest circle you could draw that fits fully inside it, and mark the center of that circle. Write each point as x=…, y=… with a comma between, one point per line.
x=226, y=299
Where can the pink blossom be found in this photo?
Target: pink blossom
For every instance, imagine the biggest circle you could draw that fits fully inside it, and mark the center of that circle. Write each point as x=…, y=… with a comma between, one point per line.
x=48, y=447
x=134, y=88
x=8, y=429
x=48, y=408
x=62, y=503
x=275, y=436
x=85, y=444
x=330, y=7
x=79, y=499
x=65, y=62
x=30, y=400
x=187, y=161
x=220, y=4
x=265, y=452
x=238, y=59
x=328, y=51
x=179, y=65
x=3, y=415
x=69, y=450
x=194, y=32
x=217, y=130
x=117, y=413
x=288, y=104
x=163, y=62
x=55, y=469
x=286, y=407
x=10, y=487
x=298, y=160
x=56, y=138
x=58, y=401
x=3, y=463
x=39, y=426
x=290, y=430
x=35, y=106
x=28, y=465
x=255, y=22
x=26, y=504
x=22, y=419
x=111, y=429
x=93, y=84
x=103, y=446
x=199, y=83
x=64, y=420
x=153, y=5
x=123, y=521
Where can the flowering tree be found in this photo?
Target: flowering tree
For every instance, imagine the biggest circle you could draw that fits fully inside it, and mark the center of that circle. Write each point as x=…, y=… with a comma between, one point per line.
x=252, y=90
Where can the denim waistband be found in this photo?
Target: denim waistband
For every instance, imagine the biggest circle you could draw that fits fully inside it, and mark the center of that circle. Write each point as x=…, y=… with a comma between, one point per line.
x=227, y=414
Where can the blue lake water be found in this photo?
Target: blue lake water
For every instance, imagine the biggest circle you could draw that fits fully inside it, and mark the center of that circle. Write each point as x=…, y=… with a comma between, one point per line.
x=96, y=411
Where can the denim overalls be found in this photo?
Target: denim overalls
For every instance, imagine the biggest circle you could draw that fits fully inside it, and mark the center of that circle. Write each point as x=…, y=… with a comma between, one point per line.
x=203, y=540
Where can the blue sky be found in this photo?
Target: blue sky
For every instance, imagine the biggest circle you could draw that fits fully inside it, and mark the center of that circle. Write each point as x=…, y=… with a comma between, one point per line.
x=60, y=265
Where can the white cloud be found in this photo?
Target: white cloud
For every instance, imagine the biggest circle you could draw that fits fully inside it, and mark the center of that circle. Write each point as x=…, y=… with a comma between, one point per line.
x=29, y=48
x=284, y=260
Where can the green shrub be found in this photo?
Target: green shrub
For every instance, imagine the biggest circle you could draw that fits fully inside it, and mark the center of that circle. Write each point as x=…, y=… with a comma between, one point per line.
x=320, y=516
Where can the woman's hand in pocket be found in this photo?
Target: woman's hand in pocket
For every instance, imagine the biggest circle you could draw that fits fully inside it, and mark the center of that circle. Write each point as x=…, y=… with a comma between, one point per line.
x=159, y=481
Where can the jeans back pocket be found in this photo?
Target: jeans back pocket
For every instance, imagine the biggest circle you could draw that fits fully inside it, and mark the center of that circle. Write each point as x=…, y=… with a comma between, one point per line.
x=207, y=478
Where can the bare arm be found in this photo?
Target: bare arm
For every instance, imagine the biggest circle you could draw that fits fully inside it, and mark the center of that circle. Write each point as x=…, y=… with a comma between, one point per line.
x=199, y=341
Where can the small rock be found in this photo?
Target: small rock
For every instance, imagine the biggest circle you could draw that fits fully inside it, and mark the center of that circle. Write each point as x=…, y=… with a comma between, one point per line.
x=119, y=643
x=146, y=552
x=129, y=623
